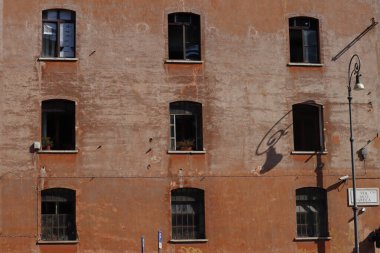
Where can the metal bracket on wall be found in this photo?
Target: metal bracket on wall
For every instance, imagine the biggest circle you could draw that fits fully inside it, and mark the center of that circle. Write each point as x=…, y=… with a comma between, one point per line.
x=374, y=23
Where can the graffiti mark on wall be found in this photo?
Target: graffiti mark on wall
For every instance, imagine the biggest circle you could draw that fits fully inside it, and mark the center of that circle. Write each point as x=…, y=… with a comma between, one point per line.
x=189, y=250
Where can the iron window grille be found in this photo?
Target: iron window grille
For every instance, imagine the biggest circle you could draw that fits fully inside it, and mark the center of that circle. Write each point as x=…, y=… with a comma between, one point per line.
x=186, y=126
x=308, y=127
x=187, y=210
x=311, y=212
x=58, y=124
x=58, y=215
x=184, y=36
x=304, y=40
x=58, y=33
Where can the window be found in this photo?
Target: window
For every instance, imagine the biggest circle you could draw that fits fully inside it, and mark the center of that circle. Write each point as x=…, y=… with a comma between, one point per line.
x=187, y=214
x=58, y=35
x=308, y=127
x=311, y=211
x=58, y=215
x=58, y=124
x=184, y=36
x=304, y=40
x=186, y=126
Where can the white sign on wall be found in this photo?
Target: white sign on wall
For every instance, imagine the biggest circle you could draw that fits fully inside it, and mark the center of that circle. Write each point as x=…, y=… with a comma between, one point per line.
x=364, y=197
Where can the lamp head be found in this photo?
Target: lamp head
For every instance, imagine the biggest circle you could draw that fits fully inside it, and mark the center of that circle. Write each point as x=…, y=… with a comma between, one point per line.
x=358, y=84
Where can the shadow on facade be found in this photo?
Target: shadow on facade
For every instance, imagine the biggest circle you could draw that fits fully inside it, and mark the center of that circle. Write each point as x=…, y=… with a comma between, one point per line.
x=321, y=246
x=268, y=142
x=366, y=246
x=319, y=171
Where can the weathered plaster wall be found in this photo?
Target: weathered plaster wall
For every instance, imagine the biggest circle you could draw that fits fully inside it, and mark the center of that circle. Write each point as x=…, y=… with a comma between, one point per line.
x=122, y=89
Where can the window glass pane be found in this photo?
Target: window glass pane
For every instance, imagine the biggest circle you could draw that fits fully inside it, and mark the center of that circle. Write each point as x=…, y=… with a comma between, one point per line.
x=192, y=37
x=183, y=18
x=192, y=43
x=66, y=40
x=303, y=22
x=311, y=212
x=176, y=45
x=307, y=130
x=296, y=48
x=187, y=214
x=65, y=15
x=49, y=38
x=61, y=25
x=310, y=38
x=303, y=37
x=48, y=208
x=51, y=14
x=311, y=54
x=58, y=214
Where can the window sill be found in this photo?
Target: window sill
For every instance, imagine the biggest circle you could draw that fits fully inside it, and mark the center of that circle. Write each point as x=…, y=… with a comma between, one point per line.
x=312, y=238
x=184, y=61
x=58, y=151
x=186, y=152
x=309, y=152
x=188, y=240
x=304, y=64
x=56, y=59
x=57, y=242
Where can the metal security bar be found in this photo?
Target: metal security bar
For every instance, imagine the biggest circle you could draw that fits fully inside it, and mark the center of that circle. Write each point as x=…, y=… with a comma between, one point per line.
x=57, y=227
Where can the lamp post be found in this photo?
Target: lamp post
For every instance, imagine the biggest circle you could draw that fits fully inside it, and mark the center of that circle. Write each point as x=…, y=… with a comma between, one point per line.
x=355, y=71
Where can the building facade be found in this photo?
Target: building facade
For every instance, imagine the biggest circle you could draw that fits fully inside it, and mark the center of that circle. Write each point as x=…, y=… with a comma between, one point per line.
x=187, y=126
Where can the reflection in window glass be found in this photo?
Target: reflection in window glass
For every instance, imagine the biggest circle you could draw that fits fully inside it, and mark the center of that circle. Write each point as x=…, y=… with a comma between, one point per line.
x=184, y=36
x=304, y=40
x=187, y=209
x=58, y=38
x=311, y=212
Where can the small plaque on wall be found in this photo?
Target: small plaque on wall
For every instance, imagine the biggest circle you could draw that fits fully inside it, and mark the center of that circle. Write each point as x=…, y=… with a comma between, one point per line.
x=364, y=197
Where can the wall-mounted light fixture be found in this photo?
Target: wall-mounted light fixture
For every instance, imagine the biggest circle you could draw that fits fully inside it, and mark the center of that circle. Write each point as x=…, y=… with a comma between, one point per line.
x=362, y=153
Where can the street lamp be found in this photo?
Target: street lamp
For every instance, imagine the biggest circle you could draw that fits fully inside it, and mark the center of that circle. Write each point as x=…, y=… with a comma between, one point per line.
x=355, y=61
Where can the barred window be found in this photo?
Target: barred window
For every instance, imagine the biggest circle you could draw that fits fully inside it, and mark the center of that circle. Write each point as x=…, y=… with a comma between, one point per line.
x=311, y=209
x=58, y=35
x=187, y=209
x=184, y=36
x=58, y=215
x=304, y=40
x=186, y=126
x=308, y=127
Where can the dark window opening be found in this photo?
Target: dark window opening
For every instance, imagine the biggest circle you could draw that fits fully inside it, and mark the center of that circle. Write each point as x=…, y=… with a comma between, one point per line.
x=311, y=210
x=187, y=209
x=308, y=127
x=58, y=124
x=304, y=40
x=58, y=34
x=184, y=36
x=186, y=126
x=58, y=215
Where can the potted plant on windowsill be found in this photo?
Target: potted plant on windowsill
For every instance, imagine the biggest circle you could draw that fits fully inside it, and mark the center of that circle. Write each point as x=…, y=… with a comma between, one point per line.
x=185, y=145
x=46, y=143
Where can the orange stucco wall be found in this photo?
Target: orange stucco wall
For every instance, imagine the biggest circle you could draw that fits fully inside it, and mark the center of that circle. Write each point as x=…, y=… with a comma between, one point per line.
x=122, y=87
